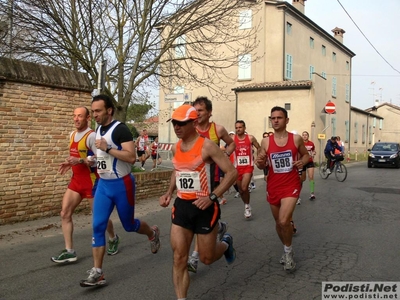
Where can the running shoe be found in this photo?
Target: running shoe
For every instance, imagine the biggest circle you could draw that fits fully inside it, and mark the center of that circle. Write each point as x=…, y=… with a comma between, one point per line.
x=113, y=246
x=94, y=278
x=192, y=264
x=221, y=230
x=222, y=201
x=230, y=253
x=328, y=171
x=155, y=241
x=294, y=227
x=65, y=257
x=282, y=260
x=236, y=195
x=298, y=202
x=143, y=169
x=312, y=197
x=289, y=264
x=247, y=211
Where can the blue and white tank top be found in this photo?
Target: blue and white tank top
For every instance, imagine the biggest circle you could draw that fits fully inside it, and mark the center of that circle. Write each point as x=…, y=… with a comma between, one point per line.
x=109, y=167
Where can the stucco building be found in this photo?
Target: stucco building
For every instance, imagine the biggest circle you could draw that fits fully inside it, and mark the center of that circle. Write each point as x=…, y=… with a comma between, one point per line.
x=297, y=65
x=389, y=124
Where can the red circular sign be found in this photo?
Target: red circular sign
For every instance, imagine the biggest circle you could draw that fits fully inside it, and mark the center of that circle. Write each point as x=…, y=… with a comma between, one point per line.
x=330, y=107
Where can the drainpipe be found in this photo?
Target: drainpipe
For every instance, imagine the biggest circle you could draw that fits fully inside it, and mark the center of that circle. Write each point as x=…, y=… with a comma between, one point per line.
x=350, y=125
x=237, y=105
x=284, y=44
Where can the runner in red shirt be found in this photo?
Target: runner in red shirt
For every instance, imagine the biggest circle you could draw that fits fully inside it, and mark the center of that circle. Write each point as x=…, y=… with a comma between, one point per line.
x=310, y=165
x=280, y=151
x=243, y=162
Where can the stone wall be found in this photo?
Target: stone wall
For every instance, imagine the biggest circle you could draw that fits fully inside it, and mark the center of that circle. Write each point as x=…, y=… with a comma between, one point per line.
x=152, y=184
x=36, y=107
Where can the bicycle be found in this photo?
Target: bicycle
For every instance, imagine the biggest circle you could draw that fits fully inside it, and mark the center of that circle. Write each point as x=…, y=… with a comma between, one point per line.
x=339, y=169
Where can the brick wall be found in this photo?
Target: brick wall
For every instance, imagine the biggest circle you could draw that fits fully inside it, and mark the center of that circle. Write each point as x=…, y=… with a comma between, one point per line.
x=152, y=184
x=36, y=106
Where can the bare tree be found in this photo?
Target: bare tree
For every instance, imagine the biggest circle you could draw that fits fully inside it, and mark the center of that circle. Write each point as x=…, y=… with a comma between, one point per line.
x=137, y=38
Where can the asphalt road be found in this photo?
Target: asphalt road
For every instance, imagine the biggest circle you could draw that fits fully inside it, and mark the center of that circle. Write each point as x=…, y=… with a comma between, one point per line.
x=349, y=233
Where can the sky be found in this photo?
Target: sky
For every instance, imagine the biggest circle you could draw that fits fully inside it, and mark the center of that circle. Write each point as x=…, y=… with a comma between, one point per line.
x=373, y=78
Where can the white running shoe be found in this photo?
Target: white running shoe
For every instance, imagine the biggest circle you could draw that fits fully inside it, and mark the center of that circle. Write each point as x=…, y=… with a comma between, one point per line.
x=298, y=201
x=237, y=195
x=247, y=211
x=289, y=264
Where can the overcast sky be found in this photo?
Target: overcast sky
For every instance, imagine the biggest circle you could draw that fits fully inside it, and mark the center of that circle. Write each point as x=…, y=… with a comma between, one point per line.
x=379, y=21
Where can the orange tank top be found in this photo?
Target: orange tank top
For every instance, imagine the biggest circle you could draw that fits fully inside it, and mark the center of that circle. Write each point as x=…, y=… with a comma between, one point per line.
x=192, y=173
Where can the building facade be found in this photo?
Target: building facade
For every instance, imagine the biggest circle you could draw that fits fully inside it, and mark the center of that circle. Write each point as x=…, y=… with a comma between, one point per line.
x=297, y=65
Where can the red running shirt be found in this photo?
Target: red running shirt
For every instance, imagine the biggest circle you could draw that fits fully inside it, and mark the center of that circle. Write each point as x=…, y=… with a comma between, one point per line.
x=282, y=174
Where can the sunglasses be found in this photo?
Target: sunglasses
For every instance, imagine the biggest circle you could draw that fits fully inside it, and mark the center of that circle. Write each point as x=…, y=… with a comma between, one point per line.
x=179, y=123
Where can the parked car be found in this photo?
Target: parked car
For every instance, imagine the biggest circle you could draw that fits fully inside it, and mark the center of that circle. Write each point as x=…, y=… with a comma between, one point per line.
x=384, y=154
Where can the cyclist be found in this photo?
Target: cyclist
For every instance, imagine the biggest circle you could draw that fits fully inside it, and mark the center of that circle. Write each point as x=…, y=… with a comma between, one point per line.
x=331, y=146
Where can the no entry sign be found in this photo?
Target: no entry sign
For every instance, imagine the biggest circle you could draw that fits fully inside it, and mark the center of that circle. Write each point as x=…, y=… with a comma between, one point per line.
x=330, y=107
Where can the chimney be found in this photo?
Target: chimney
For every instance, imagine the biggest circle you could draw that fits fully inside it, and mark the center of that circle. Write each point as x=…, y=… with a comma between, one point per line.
x=338, y=34
x=299, y=4
x=376, y=102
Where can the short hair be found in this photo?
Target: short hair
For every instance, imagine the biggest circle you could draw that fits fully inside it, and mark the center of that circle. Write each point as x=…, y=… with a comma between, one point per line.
x=108, y=103
x=306, y=132
x=203, y=100
x=86, y=110
x=265, y=133
x=278, y=108
x=241, y=122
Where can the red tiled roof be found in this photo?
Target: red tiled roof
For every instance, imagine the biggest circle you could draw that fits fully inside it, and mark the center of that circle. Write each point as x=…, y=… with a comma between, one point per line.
x=303, y=84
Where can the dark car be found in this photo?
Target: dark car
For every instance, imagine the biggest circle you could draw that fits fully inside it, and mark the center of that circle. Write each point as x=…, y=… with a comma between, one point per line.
x=384, y=154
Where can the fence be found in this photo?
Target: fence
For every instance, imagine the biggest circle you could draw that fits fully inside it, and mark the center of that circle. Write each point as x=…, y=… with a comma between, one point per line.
x=164, y=150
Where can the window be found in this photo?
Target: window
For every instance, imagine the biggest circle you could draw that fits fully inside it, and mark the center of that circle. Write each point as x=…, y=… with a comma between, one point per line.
x=333, y=122
x=178, y=90
x=347, y=65
x=380, y=124
x=245, y=17
x=333, y=56
x=244, y=67
x=374, y=122
x=323, y=49
x=289, y=65
x=180, y=46
x=287, y=106
x=311, y=72
x=311, y=43
x=289, y=28
x=323, y=74
x=333, y=86
x=346, y=125
x=355, y=132
x=364, y=134
x=370, y=135
x=347, y=93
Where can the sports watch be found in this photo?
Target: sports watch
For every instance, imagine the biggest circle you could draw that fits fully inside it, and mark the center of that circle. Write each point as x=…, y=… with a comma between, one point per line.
x=213, y=197
x=108, y=148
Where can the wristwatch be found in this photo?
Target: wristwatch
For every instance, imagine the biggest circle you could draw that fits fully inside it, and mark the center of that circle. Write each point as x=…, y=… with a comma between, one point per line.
x=81, y=160
x=213, y=197
x=108, y=148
